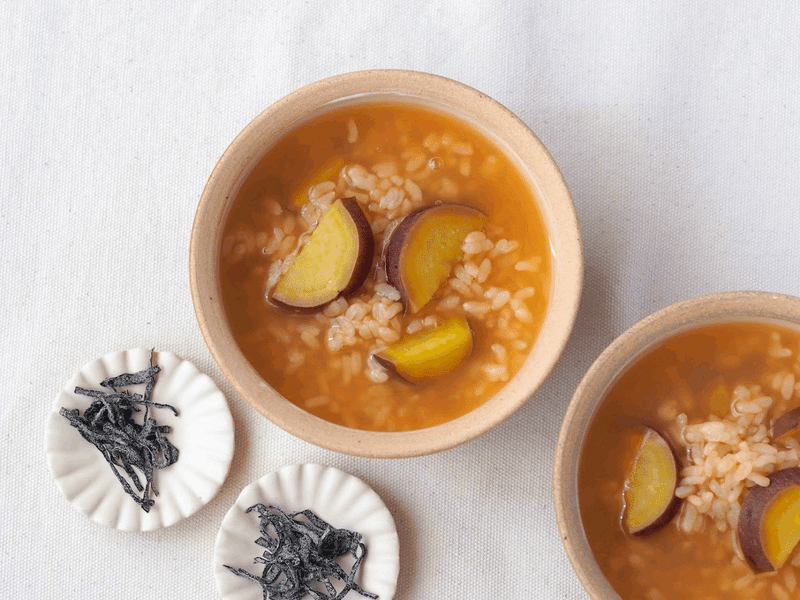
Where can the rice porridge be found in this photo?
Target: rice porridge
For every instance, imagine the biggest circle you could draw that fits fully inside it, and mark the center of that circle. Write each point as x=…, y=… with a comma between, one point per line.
x=724, y=397
x=393, y=160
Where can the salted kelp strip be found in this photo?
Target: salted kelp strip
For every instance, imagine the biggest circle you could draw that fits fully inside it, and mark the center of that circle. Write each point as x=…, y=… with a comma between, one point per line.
x=108, y=424
x=301, y=556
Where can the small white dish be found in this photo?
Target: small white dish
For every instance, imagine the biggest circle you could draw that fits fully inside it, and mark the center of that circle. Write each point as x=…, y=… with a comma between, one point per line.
x=202, y=432
x=341, y=499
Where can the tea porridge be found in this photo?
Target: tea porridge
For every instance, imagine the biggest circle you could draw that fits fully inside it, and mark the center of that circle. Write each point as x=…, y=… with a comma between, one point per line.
x=724, y=398
x=394, y=160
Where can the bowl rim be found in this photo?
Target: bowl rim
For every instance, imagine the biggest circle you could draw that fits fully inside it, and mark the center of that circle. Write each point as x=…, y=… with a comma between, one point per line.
x=615, y=359
x=466, y=102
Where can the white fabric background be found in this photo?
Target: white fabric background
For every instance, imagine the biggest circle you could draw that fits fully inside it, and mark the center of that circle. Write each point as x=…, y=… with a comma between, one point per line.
x=676, y=127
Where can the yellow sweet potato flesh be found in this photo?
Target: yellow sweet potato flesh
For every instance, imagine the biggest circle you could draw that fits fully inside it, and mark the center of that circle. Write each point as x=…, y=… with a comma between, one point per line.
x=334, y=260
x=720, y=401
x=780, y=528
x=329, y=172
x=429, y=353
x=650, y=487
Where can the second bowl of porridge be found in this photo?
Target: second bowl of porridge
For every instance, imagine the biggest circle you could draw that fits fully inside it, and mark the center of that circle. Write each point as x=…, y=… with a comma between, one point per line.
x=386, y=263
x=677, y=469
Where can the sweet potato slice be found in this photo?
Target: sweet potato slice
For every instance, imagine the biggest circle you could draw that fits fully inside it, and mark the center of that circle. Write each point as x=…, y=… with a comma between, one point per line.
x=769, y=521
x=329, y=172
x=650, y=501
x=787, y=424
x=423, y=248
x=720, y=400
x=429, y=353
x=334, y=261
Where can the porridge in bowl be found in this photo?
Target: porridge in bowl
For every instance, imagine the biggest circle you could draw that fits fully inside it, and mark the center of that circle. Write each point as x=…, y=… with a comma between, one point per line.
x=385, y=266
x=688, y=485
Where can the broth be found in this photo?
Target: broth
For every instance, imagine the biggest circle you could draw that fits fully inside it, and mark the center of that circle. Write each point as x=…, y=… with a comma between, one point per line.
x=673, y=388
x=393, y=158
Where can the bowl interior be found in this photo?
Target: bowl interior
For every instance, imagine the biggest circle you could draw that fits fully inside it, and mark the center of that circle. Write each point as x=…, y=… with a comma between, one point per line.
x=607, y=369
x=497, y=123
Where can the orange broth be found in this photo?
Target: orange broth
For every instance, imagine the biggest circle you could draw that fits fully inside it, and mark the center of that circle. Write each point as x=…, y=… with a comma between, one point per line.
x=428, y=153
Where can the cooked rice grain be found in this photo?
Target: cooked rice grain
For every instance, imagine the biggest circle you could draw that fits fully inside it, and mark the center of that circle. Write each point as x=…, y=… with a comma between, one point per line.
x=726, y=456
x=352, y=131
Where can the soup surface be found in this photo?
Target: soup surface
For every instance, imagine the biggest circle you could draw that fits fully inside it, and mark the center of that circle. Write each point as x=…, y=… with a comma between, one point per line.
x=714, y=394
x=393, y=158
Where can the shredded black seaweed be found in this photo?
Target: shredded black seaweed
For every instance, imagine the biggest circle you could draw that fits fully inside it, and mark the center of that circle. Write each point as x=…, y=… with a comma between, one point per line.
x=108, y=424
x=300, y=554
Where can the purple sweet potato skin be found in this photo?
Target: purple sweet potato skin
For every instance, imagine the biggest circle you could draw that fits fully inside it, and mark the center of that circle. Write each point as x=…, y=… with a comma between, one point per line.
x=394, y=249
x=752, y=513
x=675, y=504
x=787, y=423
x=366, y=250
x=390, y=367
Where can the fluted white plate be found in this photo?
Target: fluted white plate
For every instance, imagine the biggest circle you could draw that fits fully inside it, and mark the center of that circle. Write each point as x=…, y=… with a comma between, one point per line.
x=341, y=499
x=202, y=432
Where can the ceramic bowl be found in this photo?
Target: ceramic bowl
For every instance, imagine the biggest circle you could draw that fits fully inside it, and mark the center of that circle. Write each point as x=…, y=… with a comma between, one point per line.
x=498, y=123
x=606, y=370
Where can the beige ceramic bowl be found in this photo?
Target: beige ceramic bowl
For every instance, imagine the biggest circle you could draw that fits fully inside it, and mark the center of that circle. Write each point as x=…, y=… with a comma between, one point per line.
x=622, y=353
x=501, y=125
